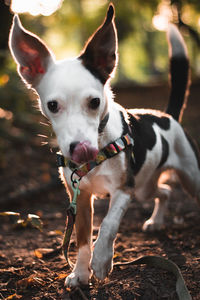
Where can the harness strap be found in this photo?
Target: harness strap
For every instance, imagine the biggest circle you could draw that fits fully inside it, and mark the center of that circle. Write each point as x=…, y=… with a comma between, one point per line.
x=69, y=226
x=103, y=123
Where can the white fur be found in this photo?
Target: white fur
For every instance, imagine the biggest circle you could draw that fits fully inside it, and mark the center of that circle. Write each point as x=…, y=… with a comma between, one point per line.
x=177, y=45
x=81, y=272
x=103, y=250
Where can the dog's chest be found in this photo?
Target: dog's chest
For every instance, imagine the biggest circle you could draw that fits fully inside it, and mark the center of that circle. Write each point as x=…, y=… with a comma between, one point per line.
x=106, y=178
x=100, y=186
x=103, y=179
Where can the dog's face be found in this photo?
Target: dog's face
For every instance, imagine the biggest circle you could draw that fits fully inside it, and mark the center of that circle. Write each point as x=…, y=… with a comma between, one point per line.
x=71, y=92
x=73, y=100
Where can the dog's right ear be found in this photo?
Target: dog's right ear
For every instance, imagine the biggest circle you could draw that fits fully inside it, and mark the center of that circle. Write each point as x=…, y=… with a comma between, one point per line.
x=30, y=53
x=100, y=53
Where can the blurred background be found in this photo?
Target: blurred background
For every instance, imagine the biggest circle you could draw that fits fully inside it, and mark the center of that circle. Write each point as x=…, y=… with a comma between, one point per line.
x=27, y=147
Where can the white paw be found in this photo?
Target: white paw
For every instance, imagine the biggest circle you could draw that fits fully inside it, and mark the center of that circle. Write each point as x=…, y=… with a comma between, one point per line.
x=152, y=225
x=78, y=278
x=102, y=262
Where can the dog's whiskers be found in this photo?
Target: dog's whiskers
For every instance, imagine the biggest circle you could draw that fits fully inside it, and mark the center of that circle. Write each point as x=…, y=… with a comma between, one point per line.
x=43, y=143
x=45, y=124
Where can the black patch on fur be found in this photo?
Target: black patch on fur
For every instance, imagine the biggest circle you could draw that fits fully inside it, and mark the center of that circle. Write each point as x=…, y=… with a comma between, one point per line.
x=93, y=70
x=144, y=135
x=99, y=54
x=165, y=151
x=129, y=181
x=194, y=146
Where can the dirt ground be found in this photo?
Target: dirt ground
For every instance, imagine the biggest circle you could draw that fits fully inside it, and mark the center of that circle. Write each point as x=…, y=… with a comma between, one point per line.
x=24, y=274
x=31, y=186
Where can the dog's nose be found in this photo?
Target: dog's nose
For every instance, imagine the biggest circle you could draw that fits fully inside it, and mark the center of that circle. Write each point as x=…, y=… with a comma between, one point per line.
x=72, y=146
x=82, y=152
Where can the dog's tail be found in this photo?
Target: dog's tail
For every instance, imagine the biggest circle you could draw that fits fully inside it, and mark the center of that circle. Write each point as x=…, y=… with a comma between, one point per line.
x=179, y=73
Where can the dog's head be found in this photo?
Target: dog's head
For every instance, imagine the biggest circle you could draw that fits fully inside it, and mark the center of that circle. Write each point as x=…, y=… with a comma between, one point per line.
x=71, y=92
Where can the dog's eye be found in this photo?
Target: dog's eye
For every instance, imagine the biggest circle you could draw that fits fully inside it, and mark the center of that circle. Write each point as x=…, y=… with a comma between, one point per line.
x=53, y=106
x=94, y=103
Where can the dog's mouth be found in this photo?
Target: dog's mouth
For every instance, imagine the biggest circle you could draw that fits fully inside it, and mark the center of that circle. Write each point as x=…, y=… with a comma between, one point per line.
x=84, y=152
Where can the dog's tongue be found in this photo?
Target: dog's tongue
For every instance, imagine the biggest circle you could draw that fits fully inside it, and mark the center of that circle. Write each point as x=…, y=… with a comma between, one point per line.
x=84, y=152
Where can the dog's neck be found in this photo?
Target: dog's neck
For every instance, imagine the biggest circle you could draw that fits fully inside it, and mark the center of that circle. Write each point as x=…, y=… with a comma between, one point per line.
x=114, y=126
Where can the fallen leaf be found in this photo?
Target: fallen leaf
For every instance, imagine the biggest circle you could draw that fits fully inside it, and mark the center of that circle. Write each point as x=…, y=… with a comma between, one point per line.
x=28, y=282
x=61, y=276
x=13, y=297
x=32, y=220
x=35, y=221
x=46, y=252
x=55, y=232
x=13, y=217
x=37, y=253
x=117, y=254
x=9, y=213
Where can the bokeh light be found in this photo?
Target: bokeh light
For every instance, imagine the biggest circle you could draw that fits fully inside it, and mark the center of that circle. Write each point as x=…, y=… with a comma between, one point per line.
x=161, y=20
x=36, y=7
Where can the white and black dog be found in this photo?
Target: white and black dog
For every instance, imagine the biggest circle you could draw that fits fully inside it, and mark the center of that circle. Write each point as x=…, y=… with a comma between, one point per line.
x=136, y=145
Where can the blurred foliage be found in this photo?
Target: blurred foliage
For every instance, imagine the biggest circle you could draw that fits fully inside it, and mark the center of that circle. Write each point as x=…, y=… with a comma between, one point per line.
x=143, y=49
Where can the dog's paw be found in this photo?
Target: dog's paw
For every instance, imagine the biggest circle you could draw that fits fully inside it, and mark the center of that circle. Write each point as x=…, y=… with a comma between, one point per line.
x=150, y=226
x=78, y=278
x=102, y=262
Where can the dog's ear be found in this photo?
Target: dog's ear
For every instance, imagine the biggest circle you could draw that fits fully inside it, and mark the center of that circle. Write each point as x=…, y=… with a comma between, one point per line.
x=30, y=53
x=100, y=53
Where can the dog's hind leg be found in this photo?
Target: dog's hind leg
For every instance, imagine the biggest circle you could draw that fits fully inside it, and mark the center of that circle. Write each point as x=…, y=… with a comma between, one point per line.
x=191, y=184
x=188, y=168
x=189, y=176
x=156, y=221
x=82, y=272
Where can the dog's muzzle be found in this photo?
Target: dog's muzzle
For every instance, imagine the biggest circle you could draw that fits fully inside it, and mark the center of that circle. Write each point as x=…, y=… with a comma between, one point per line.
x=82, y=152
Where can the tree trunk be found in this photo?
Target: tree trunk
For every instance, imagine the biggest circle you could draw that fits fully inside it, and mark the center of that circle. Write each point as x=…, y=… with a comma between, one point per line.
x=5, y=23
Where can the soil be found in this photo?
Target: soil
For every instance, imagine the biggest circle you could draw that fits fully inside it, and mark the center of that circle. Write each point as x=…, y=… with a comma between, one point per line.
x=26, y=275
x=31, y=186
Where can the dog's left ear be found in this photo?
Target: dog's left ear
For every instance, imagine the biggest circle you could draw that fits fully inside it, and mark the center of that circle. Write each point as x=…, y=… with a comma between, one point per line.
x=100, y=53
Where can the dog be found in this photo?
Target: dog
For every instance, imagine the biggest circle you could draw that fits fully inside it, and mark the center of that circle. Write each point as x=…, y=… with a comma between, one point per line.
x=124, y=151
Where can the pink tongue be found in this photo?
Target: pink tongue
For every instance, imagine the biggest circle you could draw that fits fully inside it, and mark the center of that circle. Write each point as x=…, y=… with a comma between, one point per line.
x=84, y=152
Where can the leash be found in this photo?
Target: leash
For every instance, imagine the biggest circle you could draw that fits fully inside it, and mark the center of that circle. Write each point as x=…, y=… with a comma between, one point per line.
x=70, y=219
x=167, y=265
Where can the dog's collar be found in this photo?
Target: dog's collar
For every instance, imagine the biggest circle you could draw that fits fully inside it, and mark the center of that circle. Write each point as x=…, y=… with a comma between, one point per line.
x=107, y=152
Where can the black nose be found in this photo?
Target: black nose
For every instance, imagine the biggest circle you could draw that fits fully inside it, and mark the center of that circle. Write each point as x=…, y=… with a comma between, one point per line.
x=72, y=146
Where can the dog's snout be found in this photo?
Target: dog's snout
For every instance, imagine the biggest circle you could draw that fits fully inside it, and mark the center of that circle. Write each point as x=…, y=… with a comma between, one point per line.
x=72, y=146
x=82, y=152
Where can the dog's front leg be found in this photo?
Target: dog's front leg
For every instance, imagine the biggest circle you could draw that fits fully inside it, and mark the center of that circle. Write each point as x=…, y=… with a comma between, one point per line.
x=82, y=272
x=102, y=260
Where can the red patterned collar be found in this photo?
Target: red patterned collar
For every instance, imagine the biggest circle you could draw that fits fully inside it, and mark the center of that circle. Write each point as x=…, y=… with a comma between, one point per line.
x=107, y=152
